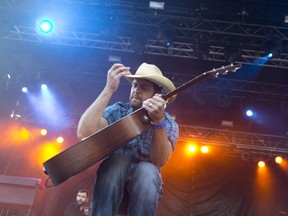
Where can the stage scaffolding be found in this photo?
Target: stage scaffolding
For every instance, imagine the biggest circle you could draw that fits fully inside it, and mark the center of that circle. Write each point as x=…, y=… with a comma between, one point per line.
x=129, y=19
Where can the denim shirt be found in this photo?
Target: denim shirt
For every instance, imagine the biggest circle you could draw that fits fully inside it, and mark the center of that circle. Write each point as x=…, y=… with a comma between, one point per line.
x=138, y=149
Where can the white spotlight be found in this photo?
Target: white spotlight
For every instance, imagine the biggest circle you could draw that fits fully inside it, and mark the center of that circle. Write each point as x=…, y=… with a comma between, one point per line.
x=24, y=89
x=249, y=113
x=44, y=87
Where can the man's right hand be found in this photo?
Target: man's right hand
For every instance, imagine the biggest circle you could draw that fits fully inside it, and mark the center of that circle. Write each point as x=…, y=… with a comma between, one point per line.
x=114, y=74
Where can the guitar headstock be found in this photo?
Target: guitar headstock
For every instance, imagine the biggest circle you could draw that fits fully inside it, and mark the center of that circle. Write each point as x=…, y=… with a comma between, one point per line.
x=224, y=70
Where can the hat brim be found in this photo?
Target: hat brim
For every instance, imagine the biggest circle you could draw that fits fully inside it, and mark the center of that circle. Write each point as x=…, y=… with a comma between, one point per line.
x=161, y=81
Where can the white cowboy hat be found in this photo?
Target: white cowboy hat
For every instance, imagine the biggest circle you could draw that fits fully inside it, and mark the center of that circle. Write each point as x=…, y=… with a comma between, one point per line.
x=153, y=74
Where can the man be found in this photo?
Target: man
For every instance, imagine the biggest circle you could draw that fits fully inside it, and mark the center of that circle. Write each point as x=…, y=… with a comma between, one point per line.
x=135, y=167
x=78, y=208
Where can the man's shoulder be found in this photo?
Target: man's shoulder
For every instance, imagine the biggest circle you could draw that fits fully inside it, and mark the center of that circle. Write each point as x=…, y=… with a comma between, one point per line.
x=73, y=204
x=71, y=208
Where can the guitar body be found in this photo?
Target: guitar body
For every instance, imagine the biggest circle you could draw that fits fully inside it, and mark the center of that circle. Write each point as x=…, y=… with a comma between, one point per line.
x=96, y=147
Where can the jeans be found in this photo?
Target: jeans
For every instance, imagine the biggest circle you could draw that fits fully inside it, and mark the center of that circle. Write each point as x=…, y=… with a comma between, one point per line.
x=144, y=186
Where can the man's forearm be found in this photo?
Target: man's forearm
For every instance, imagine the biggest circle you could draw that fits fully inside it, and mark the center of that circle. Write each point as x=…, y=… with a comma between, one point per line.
x=90, y=121
x=161, y=148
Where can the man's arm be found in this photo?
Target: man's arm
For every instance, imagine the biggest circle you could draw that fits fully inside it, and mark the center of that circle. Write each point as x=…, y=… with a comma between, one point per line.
x=161, y=147
x=92, y=120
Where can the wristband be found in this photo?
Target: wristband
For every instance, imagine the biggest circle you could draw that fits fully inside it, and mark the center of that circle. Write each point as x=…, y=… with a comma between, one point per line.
x=159, y=125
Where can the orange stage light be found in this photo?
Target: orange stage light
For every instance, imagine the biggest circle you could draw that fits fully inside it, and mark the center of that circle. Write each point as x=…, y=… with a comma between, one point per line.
x=60, y=139
x=261, y=164
x=43, y=132
x=204, y=149
x=279, y=159
x=191, y=148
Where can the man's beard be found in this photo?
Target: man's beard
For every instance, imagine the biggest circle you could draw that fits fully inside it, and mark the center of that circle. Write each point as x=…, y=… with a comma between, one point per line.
x=80, y=203
x=135, y=106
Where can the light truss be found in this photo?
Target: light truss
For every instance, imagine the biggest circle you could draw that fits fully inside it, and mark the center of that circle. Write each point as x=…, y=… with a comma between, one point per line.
x=237, y=88
x=124, y=43
x=78, y=39
x=134, y=15
x=234, y=140
x=185, y=26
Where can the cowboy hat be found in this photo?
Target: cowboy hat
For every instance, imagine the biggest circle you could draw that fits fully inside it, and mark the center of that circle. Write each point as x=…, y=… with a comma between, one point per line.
x=153, y=74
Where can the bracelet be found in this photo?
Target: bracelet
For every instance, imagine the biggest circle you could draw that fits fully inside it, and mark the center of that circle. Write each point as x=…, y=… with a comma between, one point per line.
x=158, y=125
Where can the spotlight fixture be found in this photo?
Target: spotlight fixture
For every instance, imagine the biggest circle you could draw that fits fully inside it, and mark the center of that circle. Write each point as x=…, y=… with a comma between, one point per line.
x=60, y=139
x=278, y=159
x=261, y=164
x=45, y=26
x=156, y=5
x=115, y=59
x=249, y=112
x=44, y=87
x=286, y=19
x=43, y=132
x=226, y=123
x=24, y=89
x=243, y=13
x=204, y=149
x=15, y=115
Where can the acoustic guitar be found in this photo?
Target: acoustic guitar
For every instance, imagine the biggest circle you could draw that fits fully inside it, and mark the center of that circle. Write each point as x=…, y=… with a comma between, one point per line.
x=101, y=144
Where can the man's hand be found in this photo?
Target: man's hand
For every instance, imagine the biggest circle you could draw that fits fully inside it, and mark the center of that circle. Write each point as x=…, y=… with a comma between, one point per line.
x=155, y=107
x=114, y=74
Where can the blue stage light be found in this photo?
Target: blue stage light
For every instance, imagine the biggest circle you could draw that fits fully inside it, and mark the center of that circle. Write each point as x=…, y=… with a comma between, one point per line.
x=270, y=55
x=44, y=87
x=24, y=89
x=45, y=26
x=168, y=43
x=249, y=113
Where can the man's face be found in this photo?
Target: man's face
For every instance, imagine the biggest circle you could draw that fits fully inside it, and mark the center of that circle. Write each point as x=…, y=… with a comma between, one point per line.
x=140, y=91
x=81, y=198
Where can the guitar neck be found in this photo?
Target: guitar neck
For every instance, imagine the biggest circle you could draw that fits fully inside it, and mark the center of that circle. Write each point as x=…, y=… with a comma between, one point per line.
x=213, y=72
x=186, y=85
